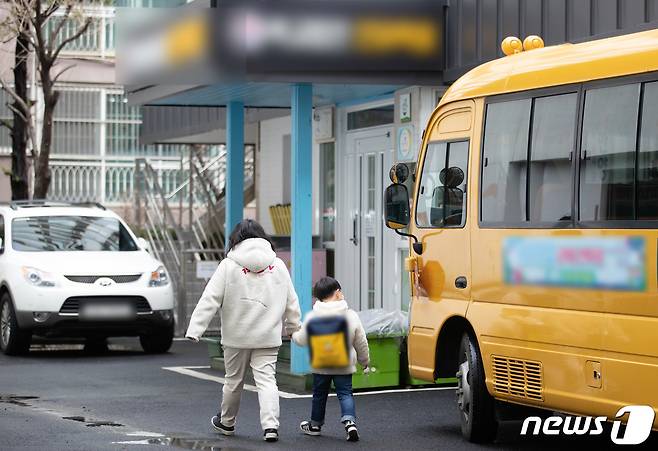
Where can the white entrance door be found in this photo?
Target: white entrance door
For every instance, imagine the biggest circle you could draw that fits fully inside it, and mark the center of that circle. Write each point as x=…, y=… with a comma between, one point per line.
x=369, y=249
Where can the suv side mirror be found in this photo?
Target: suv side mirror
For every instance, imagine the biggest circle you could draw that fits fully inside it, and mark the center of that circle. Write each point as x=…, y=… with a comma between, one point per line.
x=396, y=207
x=143, y=244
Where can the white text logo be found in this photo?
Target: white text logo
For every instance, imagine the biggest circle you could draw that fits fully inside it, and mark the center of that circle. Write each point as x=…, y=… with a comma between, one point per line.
x=638, y=425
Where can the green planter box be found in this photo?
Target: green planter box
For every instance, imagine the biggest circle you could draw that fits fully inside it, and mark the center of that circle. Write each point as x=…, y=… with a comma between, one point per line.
x=441, y=381
x=385, y=358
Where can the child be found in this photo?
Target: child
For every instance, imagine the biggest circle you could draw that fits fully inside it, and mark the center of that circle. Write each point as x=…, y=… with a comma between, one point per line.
x=253, y=292
x=331, y=311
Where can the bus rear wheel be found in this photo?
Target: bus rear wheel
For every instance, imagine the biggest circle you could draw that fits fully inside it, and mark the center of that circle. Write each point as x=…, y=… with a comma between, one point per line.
x=476, y=406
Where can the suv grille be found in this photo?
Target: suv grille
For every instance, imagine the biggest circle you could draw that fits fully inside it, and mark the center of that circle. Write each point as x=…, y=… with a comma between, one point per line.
x=72, y=305
x=516, y=377
x=117, y=279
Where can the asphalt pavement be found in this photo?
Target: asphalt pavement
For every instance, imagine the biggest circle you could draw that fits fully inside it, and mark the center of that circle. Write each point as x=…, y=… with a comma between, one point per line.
x=64, y=399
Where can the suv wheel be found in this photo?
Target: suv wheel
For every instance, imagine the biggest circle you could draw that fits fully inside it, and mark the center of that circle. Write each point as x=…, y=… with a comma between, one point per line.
x=13, y=340
x=476, y=406
x=157, y=342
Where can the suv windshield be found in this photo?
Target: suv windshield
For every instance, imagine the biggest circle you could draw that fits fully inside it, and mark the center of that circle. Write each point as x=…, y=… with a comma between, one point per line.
x=70, y=233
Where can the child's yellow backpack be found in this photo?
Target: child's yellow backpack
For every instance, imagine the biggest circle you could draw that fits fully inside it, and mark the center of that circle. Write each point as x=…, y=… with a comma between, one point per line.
x=328, y=339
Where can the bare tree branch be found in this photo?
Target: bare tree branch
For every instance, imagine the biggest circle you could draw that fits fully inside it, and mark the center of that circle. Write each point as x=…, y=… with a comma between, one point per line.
x=6, y=123
x=72, y=38
x=53, y=7
x=12, y=93
x=58, y=28
x=61, y=72
x=13, y=109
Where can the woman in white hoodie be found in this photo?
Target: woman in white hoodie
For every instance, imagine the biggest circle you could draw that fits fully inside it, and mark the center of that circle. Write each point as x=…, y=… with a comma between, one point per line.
x=253, y=294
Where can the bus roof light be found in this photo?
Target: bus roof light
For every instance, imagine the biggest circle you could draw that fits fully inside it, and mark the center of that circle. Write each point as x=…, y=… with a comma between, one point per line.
x=511, y=45
x=533, y=42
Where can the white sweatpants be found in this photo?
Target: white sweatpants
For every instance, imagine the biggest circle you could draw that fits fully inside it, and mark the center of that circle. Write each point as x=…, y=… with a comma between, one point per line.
x=263, y=367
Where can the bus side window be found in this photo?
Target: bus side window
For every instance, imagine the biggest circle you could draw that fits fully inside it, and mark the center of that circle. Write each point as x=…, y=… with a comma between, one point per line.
x=610, y=186
x=442, y=194
x=508, y=194
x=647, y=178
x=608, y=153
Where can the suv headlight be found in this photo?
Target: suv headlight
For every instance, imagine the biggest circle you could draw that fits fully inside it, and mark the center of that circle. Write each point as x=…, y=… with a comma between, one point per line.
x=37, y=277
x=159, y=278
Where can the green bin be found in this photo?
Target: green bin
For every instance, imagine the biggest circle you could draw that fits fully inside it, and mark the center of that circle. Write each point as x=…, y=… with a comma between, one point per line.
x=385, y=359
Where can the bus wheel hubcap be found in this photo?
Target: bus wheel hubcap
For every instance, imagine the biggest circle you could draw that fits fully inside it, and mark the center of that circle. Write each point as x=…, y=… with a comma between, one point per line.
x=463, y=388
x=5, y=325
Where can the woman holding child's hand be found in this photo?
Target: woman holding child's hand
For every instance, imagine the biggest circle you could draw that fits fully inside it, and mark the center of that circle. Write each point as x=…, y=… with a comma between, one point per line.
x=253, y=294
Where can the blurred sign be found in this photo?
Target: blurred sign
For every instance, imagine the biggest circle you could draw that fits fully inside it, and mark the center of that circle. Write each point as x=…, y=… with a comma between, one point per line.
x=286, y=40
x=604, y=263
x=323, y=124
x=205, y=269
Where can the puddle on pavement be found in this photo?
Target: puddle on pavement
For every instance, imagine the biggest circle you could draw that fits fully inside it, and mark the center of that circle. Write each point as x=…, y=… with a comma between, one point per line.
x=17, y=400
x=93, y=423
x=202, y=443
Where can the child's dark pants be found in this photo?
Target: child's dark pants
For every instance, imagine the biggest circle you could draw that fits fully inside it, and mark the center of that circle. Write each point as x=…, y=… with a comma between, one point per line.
x=321, y=386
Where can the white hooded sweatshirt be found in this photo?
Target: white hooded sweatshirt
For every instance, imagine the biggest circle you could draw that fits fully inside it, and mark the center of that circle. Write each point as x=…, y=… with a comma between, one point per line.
x=358, y=343
x=253, y=292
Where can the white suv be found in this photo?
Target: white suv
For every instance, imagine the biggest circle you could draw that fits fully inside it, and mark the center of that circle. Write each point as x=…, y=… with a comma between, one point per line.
x=78, y=271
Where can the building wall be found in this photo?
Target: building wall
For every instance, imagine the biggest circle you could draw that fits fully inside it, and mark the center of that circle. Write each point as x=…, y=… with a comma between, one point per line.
x=475, y=28
x=270, y=179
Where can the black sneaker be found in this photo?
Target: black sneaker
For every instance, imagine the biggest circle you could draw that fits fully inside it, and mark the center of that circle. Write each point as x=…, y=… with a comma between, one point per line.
x=271, y=435
x=308, y=429
x=352, y=432
x=217, y=424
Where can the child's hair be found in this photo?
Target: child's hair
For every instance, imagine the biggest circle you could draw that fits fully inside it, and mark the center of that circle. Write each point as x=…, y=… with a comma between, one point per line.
x=325, y=287
x=245, y=229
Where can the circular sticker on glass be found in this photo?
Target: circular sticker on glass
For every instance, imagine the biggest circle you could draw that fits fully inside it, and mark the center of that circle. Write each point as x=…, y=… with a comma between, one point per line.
x=405, y=144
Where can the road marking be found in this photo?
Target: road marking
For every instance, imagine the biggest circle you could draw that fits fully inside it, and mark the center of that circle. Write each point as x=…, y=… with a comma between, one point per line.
x=144, y=434
x=191, y=371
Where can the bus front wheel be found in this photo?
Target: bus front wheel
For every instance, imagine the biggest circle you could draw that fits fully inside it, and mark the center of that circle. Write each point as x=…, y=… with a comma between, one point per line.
x=476, y=406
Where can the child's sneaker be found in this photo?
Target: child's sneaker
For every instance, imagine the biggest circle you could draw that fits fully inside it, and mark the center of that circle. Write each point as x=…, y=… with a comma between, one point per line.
x=308, y=429
x=271, y=435
x=352, y=432
x=217, y=424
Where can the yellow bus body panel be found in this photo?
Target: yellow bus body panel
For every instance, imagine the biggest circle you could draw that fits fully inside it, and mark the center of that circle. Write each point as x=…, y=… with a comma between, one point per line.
x=568, y=332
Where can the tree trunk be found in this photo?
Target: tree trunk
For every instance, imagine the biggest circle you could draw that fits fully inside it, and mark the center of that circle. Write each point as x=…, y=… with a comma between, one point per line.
x=42, y=175
x=19, y=173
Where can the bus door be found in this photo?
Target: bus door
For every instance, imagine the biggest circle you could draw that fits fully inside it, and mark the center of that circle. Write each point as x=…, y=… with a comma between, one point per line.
x=440, y=223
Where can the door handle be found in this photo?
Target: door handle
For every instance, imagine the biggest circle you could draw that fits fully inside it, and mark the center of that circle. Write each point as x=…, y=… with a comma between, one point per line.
x=354, y=238
x=461, y=282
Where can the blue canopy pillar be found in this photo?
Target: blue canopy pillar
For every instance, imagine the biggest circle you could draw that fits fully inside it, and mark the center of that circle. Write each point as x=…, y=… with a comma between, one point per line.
x=234, y=165
x=302, y=208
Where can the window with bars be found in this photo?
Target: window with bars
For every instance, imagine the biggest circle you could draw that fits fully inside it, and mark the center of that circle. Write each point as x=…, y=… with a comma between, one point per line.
x=76, y=128
x=5, y=119
x=79, y=163
x=98, y=37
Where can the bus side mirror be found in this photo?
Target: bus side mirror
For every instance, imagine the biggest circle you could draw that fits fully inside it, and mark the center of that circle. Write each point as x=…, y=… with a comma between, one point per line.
x=396, y=207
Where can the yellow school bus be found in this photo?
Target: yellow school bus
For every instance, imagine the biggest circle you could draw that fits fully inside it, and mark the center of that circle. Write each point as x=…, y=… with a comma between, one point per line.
x=534, y=230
